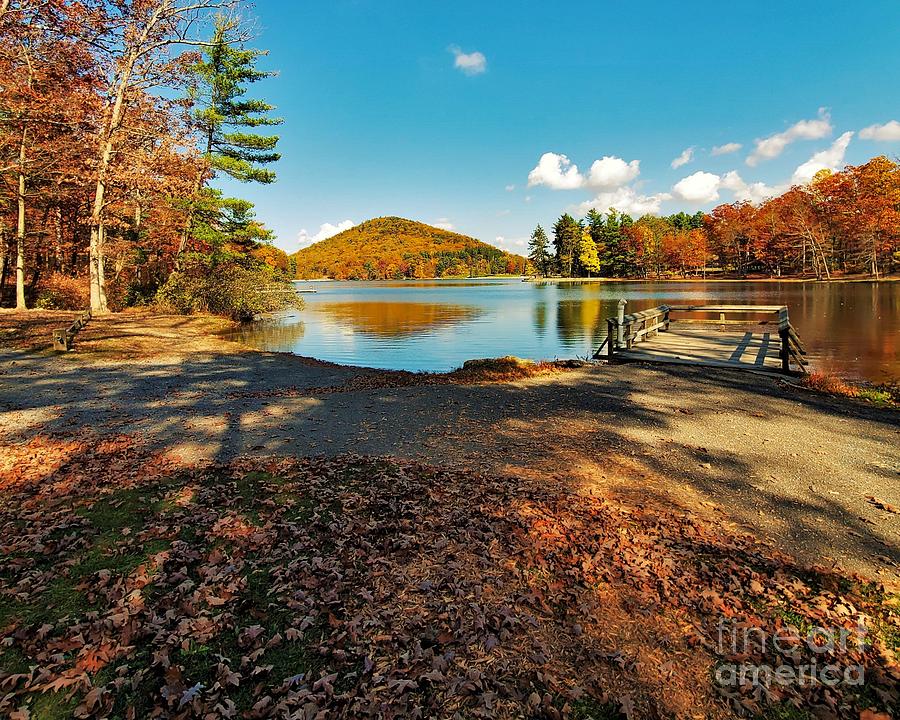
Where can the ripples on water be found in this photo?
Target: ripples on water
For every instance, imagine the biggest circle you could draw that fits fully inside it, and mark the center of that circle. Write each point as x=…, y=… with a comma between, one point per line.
x=852, y=329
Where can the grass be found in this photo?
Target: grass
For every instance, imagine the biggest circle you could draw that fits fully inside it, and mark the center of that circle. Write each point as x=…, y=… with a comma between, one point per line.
x=53, y=706
x=879, y=395
x=785, y=711
x=590, y=709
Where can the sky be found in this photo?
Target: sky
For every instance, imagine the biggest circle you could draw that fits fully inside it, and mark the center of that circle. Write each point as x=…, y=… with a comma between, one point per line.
x=491, y=117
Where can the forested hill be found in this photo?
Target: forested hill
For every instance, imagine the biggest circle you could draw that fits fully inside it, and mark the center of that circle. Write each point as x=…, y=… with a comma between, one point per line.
x=395, y=248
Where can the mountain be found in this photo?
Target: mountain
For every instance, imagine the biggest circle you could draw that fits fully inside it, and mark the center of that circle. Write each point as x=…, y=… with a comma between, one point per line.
x=395, y=248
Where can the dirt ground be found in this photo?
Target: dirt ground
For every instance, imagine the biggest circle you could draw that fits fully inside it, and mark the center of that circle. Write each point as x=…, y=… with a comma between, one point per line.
x=816, y=476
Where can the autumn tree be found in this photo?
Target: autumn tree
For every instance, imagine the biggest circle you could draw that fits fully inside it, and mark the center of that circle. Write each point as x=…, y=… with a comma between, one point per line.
x=588, y=260
x=143, y=49
x=46, y=103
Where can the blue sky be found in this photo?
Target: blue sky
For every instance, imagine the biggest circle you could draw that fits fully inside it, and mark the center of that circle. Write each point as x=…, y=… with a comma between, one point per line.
x=458, y=113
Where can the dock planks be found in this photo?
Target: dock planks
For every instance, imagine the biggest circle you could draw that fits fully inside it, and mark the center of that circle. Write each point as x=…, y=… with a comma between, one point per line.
x=707, y=346
x=767, y=342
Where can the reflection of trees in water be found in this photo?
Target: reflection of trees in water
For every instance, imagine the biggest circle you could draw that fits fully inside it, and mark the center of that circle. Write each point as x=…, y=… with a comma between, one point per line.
x=540, y=318
x=392, y=319
x=850, y=328
x=279, y=334
x=578, y=320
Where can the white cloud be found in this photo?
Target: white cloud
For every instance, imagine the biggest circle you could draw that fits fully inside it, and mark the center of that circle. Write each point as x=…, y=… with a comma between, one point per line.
x=443, y=224
x=556, y=172
x=510, y=188
x=831, y=158
x=772, y=146
x=513, y=245
x=686, y=156
x=755, y=192
x=625, y=199
x=473, y=63
x=326, y=230
x=559, y=173
x=888, y=132
x=701, y=187
x=726, y=149
x=611, y=172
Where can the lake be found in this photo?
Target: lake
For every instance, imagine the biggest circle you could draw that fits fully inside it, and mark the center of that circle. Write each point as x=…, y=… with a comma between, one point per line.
x=851, y=329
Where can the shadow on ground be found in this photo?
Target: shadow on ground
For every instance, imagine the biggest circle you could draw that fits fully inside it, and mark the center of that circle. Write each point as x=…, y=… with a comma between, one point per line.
x=792, y=466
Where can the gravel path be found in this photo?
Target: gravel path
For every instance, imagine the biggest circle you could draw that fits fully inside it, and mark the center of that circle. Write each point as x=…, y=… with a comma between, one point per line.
x=790, y=465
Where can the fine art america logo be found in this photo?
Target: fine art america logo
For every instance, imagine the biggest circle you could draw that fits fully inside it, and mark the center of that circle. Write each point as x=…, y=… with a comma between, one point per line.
x=807, y=658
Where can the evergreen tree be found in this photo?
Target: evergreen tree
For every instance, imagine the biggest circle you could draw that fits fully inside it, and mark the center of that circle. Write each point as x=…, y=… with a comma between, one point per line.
x=227, y=225
x=566, y=235
x=219, y=89
x=611, y=235
x=537, y=251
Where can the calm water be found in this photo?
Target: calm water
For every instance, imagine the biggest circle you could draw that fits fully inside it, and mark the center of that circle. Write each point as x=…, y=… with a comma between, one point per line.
x=852, y=329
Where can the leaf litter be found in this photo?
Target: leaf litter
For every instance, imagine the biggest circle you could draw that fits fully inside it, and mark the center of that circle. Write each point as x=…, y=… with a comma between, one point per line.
x=134, y=585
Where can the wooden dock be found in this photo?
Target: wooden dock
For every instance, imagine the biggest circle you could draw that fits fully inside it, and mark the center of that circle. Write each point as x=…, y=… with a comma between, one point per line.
x=765, y=340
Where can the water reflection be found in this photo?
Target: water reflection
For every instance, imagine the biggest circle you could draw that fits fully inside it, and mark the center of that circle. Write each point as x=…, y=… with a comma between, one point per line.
x=852, y=329
x=396, y=319
x=582, y=318
x=279, y=334
x=540, y=318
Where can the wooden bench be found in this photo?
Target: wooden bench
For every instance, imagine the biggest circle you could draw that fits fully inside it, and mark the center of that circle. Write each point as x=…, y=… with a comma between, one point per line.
x=64, y=337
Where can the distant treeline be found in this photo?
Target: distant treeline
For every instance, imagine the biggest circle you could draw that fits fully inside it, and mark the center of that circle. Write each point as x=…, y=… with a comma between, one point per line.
x=842, y=222
x=396, y=248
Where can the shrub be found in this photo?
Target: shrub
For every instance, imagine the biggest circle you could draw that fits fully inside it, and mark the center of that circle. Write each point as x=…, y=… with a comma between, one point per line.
x=62, y=292
x=507, y=369
x=239, y=288
x=876, y=394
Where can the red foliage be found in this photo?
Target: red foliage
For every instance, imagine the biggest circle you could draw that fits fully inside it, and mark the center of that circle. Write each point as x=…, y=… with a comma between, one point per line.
x=57, y=291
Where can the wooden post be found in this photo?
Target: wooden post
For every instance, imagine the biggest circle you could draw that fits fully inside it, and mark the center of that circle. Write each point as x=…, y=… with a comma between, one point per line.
x=621, y=318
x=61, y=341
x=785, y=350
x=721, y=321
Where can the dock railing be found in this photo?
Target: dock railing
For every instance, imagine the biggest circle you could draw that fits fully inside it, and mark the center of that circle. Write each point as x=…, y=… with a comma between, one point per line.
x=626, y=330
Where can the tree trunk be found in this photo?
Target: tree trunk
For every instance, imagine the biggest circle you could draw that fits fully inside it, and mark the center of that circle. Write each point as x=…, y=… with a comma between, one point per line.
x=189, y=220
x=20, y=229
x=874, y=257
x=98, y=305
x=3, y=259
x=95, y=249
x=57, y=237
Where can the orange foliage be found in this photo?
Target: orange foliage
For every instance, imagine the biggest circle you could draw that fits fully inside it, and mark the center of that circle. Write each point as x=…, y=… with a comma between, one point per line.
x=391, y=247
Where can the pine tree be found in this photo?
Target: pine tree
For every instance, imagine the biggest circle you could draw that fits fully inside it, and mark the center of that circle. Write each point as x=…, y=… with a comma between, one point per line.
x=566, y=234
x=537, y=251
x=220, y=84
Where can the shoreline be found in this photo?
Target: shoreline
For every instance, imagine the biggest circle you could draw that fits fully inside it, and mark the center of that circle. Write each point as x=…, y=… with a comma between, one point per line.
x=792, y=280
x=216, y=334
x=599, y=280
